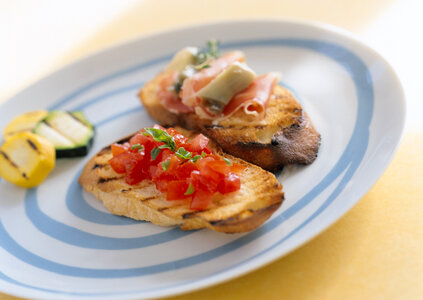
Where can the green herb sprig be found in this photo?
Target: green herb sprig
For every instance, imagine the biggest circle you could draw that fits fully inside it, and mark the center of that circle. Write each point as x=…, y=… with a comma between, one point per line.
x=137, y=147
x=161, y=136
x=168, y=141
x=190, y=190
x=204, y=56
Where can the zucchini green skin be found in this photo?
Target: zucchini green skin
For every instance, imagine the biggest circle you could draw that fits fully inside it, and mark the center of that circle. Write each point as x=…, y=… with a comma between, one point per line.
x=80, y=149
x=76, y=151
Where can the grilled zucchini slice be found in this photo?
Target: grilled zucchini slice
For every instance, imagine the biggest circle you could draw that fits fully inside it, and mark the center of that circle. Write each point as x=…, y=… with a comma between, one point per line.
x=70, y=132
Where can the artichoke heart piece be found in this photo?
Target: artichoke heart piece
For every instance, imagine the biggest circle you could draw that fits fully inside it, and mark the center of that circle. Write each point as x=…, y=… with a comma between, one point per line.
x=231, y=81
x=182, y=59
x=26, y=159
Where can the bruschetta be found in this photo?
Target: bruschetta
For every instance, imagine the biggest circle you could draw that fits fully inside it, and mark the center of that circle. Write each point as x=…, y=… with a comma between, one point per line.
x=173, y=178
x=250, y=116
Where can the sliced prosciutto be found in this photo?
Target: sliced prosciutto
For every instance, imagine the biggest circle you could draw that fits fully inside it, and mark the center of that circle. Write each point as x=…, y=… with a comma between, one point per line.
x=193, y=84
x=168, y=97
x=255, y=97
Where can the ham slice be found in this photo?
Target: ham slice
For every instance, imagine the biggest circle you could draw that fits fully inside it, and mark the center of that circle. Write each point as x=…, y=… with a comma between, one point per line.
x=193, y=84
x=255, y=97
x=169, y=99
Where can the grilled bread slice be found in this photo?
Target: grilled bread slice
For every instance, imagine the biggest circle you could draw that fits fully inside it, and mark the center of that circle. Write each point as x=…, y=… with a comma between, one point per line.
x=285, y=135
x=241, y=211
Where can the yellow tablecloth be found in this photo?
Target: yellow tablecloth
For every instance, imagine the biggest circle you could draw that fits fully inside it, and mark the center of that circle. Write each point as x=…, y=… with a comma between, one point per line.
x=376, y=250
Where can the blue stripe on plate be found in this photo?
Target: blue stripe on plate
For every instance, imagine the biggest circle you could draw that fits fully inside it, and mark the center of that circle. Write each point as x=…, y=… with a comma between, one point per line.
x=121, y=90
x=349, y=161
x=77, y=237
x=77, y=205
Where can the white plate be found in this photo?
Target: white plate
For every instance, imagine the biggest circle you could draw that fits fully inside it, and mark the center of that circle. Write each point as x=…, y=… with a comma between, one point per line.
x=57, y=242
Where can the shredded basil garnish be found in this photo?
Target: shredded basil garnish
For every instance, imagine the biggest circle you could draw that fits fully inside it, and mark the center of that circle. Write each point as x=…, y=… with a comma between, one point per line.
x=227, y=161
x=161, y=136
x=138, y=147
x=190, y=190
x=195, y=158
x=165, y=165
x=182, y=153
x=154, y=153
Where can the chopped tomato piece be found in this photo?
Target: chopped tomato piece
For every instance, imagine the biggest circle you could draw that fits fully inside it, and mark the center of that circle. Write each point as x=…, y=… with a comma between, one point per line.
x=119, y=148
x=219, y=166
x=139, y=138
x=201, y=200
x=201, y=182
x=176, y=190
x=198, y=143
x=180, y=140
x=185, y=169
x=134, y=168
x=214, y=170
x=174, y=163
x=117, y=164
x=229, y=184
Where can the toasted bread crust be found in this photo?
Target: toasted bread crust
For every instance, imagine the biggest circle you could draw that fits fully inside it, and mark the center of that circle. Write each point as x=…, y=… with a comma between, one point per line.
x=285, y=136
x=242, y=211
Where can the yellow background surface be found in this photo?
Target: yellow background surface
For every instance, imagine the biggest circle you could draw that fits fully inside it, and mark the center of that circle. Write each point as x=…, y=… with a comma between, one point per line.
x=376, y=250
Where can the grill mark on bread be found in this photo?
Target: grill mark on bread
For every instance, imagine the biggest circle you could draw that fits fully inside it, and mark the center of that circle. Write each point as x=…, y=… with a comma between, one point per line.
x=148, y=198
x=188, y=215
x=98, y=166
x=106, y=179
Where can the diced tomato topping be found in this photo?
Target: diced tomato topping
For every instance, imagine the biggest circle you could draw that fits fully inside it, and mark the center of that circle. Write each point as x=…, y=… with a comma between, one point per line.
x=201, y=200
x=173, y=169
x=185, y=169
x=139, y=138
x=119, y=148
x=229, y=184
x=203, y=183
x=117, y=163
x=180, y=140
x=176, y=190
x=199, y=143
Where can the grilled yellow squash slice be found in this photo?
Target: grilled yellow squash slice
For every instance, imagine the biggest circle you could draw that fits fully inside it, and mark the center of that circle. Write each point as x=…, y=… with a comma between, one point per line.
x=26, y=159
